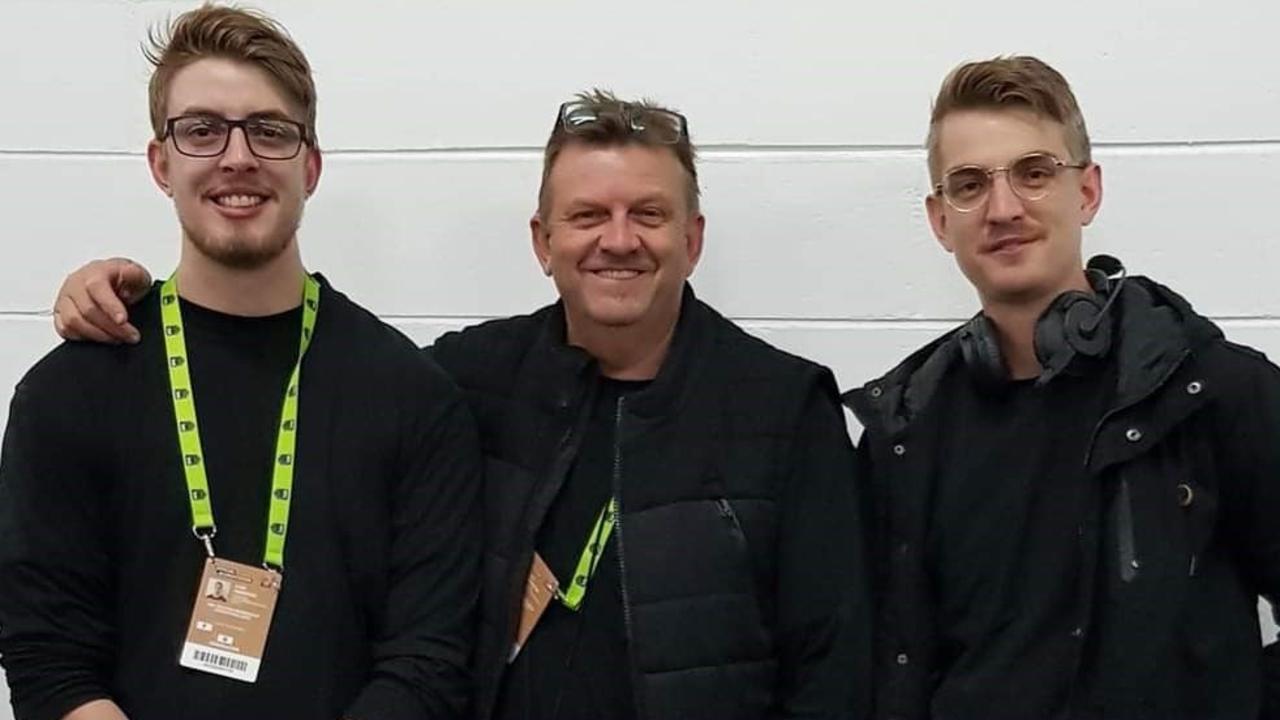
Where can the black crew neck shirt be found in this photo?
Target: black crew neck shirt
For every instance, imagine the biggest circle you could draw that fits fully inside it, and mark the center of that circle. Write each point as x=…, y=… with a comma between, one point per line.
x=99, y=564
x=1005, y=544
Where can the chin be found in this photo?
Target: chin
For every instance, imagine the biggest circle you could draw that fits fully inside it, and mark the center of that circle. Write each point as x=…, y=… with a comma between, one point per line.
x=1015, y=292
x=241, y=253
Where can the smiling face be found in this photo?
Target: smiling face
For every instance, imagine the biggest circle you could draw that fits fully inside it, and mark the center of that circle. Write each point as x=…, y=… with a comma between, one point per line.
x=1012, y=250
x=617, y=236
x=236, y=209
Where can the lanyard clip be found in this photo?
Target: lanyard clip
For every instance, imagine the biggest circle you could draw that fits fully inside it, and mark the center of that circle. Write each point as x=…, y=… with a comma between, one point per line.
x=205, y=535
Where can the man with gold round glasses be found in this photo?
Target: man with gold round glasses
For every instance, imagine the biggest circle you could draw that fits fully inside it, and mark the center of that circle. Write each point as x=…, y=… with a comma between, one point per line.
x=1078, y=487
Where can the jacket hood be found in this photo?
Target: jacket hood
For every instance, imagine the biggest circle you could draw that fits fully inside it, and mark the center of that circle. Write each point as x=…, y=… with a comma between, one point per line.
x=1155, y=330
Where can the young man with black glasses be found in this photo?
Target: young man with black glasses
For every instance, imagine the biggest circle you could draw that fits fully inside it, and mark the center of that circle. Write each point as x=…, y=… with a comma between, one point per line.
x=147, y=491
x=673, y=527
x=1077, y=489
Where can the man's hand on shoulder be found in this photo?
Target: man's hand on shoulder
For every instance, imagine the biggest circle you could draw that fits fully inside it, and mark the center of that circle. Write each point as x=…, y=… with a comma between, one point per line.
x=91, y=304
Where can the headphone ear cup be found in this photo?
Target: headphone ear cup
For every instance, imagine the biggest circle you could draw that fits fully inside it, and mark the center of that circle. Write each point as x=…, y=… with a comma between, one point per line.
x=1050, y=343
x=1086, y=329
x=1062, y=332
x=981, y=352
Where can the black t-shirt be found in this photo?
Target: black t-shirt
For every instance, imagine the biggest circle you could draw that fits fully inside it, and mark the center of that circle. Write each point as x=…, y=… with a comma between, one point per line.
x=1005, y=543
x=575, y=664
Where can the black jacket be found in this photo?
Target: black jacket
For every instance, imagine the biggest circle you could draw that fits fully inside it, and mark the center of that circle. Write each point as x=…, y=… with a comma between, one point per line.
x=1184, y=537
x=710, y=459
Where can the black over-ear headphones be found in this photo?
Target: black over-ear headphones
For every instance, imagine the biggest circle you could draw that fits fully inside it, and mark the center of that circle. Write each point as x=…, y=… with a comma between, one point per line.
x=1075, y=325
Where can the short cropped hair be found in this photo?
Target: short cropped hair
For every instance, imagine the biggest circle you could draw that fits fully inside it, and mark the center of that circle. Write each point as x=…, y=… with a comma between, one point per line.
x=612, y=128
x=234, y=34
x=1016, y=81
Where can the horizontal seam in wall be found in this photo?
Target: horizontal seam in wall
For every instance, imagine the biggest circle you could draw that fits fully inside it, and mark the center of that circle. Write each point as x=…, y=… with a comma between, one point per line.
x=708, y=151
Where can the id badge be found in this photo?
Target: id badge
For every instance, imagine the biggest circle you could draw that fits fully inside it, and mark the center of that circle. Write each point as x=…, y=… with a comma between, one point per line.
x=234, y=604
x=539, y=590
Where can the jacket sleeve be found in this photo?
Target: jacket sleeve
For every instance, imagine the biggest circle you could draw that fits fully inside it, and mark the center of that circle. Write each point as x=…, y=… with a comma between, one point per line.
x=56, y=630
x=1247, y=421
x=824, y=594
x=1247, y=433
x=424, y=637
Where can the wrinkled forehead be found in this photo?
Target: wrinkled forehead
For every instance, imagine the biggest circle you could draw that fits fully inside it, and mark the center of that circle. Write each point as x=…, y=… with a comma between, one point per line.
x=616, y=171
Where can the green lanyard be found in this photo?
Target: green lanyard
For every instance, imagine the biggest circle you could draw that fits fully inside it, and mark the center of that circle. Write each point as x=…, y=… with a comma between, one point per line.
x=184, y=413
x=590, y=556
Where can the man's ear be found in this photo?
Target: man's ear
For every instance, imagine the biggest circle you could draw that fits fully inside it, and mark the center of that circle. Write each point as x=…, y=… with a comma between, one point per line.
x=158, y=162
x=315, y=163
x=1090, y=193
x=694, y=235
x=541, y=236
x=936, y=208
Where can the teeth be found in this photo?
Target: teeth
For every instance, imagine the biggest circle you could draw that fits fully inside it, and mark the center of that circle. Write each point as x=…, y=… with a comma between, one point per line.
x=617, y=274
x=238, y=201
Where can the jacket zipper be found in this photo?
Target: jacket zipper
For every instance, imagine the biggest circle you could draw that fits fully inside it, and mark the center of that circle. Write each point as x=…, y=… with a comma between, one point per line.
x=1126, y=540
x=568, y=445
x=1126, y=544
x=622, y=560
x=726, y=512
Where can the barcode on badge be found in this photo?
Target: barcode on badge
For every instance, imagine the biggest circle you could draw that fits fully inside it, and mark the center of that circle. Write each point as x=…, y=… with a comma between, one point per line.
x=221, y=661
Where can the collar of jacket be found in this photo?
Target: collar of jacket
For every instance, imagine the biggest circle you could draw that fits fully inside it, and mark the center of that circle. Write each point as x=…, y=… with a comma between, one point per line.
x=1157, y=329
x=559, y=372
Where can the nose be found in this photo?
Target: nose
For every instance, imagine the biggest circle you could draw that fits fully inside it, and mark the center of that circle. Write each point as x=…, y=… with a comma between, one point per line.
x=1003, y=204
x=238, y=156
x=619, y=237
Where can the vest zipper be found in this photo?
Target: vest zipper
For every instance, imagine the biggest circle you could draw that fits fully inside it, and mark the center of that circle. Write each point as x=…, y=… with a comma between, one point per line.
x=622, y=559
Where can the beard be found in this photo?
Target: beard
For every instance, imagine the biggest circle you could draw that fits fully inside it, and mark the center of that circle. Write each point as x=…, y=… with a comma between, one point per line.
x=242, y=253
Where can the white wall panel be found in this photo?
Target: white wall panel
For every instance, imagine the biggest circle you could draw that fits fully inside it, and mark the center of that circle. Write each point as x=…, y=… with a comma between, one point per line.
x=400, y=74
x=791, y=235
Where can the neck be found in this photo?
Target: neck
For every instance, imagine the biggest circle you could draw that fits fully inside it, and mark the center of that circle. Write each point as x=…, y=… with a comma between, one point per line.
x=271, y=288
x=1015, y=324
x=634, y=352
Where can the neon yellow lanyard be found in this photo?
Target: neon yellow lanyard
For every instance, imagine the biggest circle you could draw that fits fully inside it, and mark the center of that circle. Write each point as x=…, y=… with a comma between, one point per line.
x=590, y=557
x=184, y=413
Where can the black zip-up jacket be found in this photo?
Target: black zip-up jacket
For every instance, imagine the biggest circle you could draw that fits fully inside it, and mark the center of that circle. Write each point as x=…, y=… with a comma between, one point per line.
x=740, y=551
x=1185, y=470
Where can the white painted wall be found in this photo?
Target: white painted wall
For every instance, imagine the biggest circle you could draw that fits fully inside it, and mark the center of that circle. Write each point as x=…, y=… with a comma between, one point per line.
x=810, y=117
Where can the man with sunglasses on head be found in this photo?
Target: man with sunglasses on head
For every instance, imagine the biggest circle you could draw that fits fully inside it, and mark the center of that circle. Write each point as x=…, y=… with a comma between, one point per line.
x=672, y=522
x=1076, y=490
x=147, y=490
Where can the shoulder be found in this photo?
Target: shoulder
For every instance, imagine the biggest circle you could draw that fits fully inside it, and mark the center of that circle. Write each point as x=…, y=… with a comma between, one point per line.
x=372, y=349
x=764, y=373
x=482, y=354
x=902, y=393
x=88, y=371
x=1242, y=375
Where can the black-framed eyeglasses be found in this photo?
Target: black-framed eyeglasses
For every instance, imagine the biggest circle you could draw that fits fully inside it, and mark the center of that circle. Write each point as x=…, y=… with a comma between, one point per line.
x=1032, y=177
x=667, y=127
x=206, y=136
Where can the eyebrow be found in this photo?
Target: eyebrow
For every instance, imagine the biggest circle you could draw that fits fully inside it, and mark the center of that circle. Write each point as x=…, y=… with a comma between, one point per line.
x=660, y=198
x=260, y=115
x=1050, y=153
